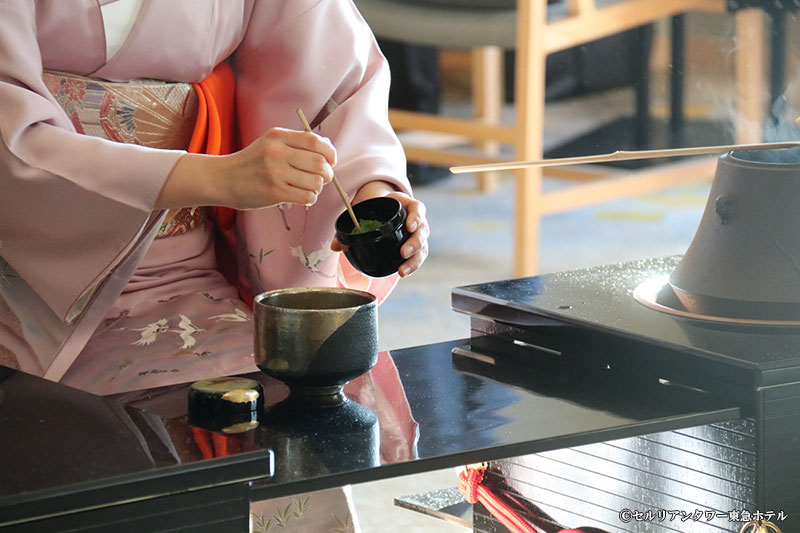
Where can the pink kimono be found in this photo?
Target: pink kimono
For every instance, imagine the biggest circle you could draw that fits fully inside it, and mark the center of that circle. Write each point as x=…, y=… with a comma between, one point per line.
x=78, y=226
x=88, y=295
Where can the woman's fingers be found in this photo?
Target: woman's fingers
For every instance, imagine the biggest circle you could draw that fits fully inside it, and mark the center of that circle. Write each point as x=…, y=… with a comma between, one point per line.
x=307, y=172
x=310, y=153
x=416, y=215
x=415, y=218
x=295, y=195
x=310, y=142
x=415, y=261
x=296, y=164
x=303, y=180
x=415, y=249
x=416, y=241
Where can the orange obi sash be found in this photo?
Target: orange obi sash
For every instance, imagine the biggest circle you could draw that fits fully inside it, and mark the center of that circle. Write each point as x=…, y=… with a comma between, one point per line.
x=215, y=129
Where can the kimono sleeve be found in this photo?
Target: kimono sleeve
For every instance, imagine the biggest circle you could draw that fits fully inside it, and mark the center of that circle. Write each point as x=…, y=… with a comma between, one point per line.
x=72, y=205
x=320, y=56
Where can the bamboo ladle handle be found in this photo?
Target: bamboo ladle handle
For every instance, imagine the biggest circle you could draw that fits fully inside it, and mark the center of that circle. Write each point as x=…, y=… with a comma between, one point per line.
x=343, y=194
x=622, y=155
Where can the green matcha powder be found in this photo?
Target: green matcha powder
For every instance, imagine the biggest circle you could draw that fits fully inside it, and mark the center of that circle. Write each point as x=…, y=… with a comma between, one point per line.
x=367, y=225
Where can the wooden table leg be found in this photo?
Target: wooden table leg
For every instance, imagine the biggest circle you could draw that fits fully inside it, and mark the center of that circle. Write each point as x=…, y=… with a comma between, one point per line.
x=529, y=104
x=487, y=100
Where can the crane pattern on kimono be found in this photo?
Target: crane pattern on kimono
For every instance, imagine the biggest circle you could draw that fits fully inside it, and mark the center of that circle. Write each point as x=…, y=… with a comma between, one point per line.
x=186, y=332
x=312, y=261
x=237, y=316
x=150, y=332
x=186, y=329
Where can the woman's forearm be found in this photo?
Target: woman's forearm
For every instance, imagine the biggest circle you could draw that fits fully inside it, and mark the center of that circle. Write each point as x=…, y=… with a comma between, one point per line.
x=191, y=182
x=281, y=166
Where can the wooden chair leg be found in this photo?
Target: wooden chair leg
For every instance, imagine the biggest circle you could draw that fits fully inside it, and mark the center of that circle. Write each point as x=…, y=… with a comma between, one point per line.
x=750, y=75
x=487, y=100
x=529, y=105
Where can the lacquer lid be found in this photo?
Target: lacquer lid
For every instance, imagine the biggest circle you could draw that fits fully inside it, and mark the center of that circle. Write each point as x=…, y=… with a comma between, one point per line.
x=226, y=404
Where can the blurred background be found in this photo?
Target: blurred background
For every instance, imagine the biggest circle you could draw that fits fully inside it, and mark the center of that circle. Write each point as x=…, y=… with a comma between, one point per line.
x=591, y=97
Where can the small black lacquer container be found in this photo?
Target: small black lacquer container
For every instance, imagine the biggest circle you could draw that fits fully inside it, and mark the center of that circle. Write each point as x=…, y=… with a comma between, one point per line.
x=226, y=405
x=376, y=253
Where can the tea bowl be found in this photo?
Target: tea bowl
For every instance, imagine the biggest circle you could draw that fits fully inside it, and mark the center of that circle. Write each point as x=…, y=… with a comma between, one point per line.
x=315, y=339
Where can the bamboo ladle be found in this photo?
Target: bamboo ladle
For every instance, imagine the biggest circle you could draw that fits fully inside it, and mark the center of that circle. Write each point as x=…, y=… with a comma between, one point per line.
x=339, y=188
x=622, y=155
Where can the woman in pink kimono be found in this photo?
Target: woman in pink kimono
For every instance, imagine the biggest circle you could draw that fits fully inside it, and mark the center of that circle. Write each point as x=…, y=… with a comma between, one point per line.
x=110, y=271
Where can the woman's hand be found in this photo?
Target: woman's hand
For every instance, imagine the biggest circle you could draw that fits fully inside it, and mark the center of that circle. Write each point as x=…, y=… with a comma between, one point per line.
x=415, y=249
x=281, y=166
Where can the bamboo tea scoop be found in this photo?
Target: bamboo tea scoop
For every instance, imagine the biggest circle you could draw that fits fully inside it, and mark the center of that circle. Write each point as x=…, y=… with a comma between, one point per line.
x=622, y=155
x=343, y=194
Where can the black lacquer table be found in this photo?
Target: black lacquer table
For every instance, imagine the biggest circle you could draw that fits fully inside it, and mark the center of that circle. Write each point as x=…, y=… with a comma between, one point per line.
x=75, y=457
x=714, y=477
x=72, y=461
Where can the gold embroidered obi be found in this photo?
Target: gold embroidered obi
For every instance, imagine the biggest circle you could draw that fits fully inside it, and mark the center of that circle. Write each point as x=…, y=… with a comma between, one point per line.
x=146, y=112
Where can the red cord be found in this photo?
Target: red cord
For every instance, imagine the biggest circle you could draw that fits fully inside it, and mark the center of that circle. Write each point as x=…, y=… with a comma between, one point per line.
x=468, y=482
x=470, y=485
